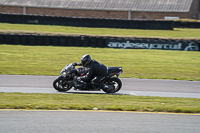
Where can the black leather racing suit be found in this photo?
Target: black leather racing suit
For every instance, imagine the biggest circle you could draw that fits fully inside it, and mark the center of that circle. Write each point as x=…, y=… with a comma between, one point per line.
x=96, y=71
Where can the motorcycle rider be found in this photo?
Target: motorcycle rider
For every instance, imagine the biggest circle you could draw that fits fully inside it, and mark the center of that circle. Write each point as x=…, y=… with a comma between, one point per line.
x=96, y=70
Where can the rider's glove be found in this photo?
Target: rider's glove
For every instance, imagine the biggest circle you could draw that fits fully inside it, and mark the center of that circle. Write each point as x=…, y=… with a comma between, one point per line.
x=74, y=64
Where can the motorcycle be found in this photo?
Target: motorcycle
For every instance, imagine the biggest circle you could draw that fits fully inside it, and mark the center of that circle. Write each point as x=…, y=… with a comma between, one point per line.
x=109, y=84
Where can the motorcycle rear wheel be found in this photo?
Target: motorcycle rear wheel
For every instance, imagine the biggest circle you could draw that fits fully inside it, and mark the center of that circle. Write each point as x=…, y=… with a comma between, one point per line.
x=114, y=85
x=61, y=85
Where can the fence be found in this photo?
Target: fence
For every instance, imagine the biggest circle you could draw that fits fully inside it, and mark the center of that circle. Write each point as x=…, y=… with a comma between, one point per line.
x=87, y=22
x=179, y=24
x=94, y=22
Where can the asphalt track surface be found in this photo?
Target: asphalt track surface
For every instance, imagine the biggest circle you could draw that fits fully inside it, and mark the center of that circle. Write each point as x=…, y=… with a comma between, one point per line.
x=23, y=121
x=138, y=87
x=96, y=122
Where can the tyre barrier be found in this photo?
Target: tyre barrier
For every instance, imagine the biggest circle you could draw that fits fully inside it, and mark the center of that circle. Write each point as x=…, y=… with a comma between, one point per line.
x=85, y=41
x=51, y=40
x=77, y=41
x=98, y=41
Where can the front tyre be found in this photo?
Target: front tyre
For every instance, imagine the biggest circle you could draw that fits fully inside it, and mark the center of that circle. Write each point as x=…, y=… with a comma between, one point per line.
x=61, y=85
x=112, y=85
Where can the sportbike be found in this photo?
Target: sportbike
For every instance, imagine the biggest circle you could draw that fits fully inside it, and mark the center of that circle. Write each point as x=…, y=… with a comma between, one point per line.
x=109, y=83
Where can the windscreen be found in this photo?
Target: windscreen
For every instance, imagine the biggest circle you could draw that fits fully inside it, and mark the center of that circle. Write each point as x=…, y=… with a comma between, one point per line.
x=68, y=67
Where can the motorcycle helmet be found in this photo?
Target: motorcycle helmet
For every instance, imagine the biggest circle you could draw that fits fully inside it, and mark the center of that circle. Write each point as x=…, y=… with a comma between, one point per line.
x=85, y=60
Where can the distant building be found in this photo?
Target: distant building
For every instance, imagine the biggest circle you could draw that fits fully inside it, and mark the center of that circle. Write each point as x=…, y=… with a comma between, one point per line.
x=117, y=9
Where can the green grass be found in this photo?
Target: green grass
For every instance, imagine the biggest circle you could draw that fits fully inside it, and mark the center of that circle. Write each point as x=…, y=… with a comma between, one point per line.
x=148, y=64
x=52, y=29
x=136, y=63
x=100, y=101
x=187, y=20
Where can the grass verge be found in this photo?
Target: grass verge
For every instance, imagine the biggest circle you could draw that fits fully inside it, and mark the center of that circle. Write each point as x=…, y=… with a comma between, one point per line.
x=98, y=101
x=69, y=30
x=136, y=63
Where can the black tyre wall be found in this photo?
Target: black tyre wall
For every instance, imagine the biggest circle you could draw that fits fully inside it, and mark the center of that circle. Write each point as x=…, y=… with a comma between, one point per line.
x=96, y=41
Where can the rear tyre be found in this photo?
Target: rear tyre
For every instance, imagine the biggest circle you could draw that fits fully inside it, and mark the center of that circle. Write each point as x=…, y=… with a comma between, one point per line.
x=113, y=85
x=61, y=85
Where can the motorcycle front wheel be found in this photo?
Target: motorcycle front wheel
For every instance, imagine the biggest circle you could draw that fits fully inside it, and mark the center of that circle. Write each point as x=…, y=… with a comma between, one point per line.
x=113, y=85
x=61, y=85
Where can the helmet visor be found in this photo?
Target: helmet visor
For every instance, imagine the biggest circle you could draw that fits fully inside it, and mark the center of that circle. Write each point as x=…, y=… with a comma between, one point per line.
x=84, y=63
